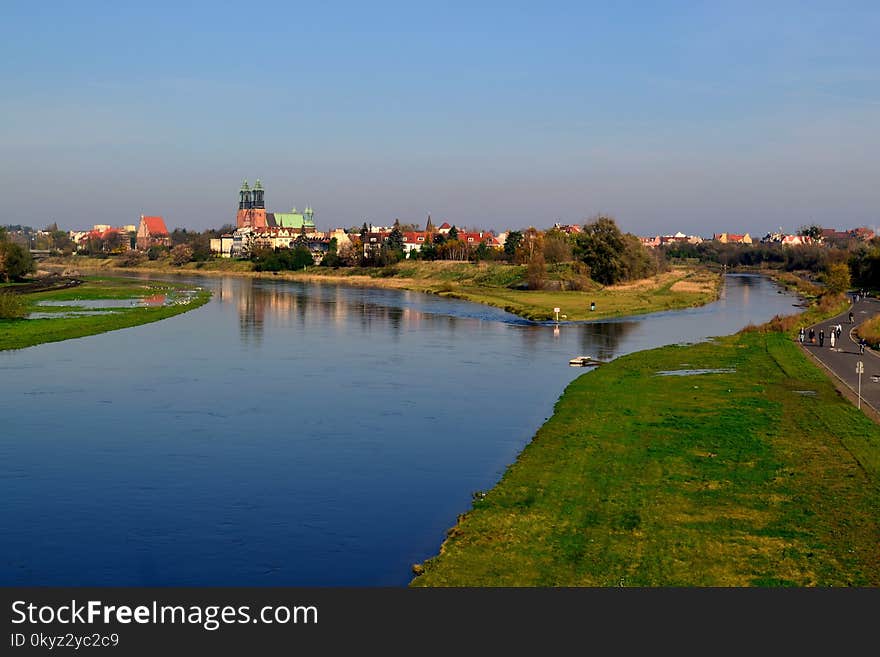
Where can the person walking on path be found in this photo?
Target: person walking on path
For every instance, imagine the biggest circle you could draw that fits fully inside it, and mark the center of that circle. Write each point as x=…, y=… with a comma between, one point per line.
x=801, y=335
x=850, y=317
x=862, y=342
x=812, y=335
x=832, y=338
x=839, y=331
x=821, y=337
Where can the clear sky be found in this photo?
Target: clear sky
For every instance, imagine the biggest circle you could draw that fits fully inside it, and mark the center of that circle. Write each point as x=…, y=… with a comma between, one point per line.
x=693, y=116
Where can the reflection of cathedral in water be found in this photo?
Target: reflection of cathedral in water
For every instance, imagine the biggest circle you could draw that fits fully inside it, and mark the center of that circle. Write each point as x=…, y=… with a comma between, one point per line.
x=292, y=306
x=289, y=305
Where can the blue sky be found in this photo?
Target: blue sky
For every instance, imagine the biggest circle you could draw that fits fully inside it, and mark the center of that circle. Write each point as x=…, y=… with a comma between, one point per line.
x=692, y=116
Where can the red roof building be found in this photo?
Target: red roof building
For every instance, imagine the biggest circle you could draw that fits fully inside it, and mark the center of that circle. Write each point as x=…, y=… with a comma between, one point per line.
x=152, y=232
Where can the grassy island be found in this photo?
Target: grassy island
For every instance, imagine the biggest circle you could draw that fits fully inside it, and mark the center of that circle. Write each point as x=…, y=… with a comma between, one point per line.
x=754, y=472
x=96, y=305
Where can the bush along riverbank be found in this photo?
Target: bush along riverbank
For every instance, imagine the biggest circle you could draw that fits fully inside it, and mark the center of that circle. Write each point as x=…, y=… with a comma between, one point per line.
x=95, y=306
x=727, y=463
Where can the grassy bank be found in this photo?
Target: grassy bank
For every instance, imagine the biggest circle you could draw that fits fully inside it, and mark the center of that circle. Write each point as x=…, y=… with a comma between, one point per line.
x=760, y=476
x=75, y=320
x=493, y=284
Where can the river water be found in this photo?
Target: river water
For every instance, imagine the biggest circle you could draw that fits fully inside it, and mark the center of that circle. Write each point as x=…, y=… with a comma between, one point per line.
x=288, y=434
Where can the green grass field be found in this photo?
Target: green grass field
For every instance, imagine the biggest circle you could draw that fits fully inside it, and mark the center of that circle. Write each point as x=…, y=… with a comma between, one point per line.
x=610, y=302
x=764, y=476
x=20, y=333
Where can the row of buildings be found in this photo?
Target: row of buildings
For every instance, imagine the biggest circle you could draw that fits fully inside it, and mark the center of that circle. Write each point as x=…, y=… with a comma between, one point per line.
x=825, y=236
x=258, y=228
x=150, y=231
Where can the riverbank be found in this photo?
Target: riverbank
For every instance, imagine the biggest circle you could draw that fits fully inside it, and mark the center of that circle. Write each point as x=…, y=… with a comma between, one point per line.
x=485, y=283
x=758, y=473
x=75, y=312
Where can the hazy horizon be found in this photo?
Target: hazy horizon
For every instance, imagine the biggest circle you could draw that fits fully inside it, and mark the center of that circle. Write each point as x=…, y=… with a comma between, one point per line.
x=733, y=117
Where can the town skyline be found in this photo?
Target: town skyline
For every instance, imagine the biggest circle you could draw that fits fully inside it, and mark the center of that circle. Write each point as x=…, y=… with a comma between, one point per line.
x=293, y=211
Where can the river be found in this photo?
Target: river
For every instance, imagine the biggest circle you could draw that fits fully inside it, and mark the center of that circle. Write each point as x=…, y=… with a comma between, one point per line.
x=288, y=434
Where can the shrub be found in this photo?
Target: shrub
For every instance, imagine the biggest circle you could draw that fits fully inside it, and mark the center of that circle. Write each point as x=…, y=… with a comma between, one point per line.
x=536, y=274
x=12, y=306
x=870, y=330
x=131, y=258
x=15, y=262
x=181, y=254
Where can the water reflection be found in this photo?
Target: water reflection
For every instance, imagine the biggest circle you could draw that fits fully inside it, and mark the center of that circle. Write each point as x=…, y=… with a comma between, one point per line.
x=285, y=304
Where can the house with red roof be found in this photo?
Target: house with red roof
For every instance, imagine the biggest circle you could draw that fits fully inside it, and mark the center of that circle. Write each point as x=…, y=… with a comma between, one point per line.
x=152, y=232
x=413, y=241
x=474, y=239
x=732, y=238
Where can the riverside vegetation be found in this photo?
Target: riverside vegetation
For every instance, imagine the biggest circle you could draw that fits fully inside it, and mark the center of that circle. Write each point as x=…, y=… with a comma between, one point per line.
x=755, y=473
x=76, y=319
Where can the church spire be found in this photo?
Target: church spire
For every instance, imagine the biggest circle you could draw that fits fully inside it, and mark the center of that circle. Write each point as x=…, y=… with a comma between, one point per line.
x=259, y=202
x=244, y=195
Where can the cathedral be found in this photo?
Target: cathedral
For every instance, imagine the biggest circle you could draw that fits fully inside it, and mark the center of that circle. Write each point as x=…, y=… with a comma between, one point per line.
x=252, y=212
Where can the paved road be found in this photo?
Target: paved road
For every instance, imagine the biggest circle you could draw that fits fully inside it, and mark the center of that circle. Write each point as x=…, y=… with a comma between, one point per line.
x=842, y=359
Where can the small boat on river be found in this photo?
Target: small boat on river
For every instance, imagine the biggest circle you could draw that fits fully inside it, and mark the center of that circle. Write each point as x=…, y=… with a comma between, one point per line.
x=583, y=361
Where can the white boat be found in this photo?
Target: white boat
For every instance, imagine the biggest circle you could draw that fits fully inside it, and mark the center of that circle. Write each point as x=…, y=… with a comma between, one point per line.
x=583, y=361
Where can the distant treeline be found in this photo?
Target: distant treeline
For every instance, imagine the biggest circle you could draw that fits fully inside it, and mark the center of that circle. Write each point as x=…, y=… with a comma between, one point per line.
x=862, y=258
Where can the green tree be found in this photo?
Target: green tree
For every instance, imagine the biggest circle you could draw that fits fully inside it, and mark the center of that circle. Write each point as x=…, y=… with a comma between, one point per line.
x=331, y=258
x=600, y=246
x=452, y=234
x=512, y=243
x=837, y=277
x=201, y=247
x=300, y=257
x=637, y=261
x=428, y=250
x=61, y=241
x=536, y=273
x=395, y=239
x=16, y=262
x=481, y=252
x=813, y=230
x=180, y=236
x=557, y=247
